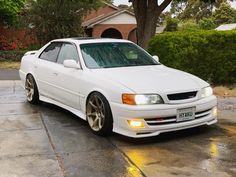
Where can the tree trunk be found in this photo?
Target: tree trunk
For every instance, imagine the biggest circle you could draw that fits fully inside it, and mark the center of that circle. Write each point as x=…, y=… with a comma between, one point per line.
x=147, y=13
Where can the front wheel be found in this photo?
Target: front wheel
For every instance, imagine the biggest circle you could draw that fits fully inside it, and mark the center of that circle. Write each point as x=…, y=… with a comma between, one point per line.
x=99, y=114
x=31, y=90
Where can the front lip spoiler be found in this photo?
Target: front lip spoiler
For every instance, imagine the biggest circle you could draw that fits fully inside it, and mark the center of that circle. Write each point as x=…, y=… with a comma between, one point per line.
x=156, y=133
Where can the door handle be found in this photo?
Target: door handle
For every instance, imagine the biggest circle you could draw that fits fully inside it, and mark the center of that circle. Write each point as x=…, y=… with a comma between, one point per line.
x=55, y=74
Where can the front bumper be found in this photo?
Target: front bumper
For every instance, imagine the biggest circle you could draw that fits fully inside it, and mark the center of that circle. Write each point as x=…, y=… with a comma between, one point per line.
x=147, y=113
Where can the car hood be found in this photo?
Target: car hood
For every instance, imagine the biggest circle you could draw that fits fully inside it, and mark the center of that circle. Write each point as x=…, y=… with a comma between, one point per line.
x=152, y=79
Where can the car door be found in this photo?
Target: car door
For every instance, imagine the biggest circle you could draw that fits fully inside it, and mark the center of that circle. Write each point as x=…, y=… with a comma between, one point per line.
x=44, y=73
x=67, y=80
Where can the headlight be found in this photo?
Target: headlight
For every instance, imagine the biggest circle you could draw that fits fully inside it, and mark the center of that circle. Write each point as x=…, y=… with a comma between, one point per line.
x=207, y=91
x=133, y=99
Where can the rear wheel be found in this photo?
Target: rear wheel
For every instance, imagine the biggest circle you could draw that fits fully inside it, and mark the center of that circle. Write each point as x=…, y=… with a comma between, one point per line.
x=31, y=90
x=99, y=114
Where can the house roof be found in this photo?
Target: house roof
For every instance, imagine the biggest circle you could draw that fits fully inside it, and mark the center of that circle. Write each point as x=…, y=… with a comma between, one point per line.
x=226, y=27
x=110, y=5
x=103, y=17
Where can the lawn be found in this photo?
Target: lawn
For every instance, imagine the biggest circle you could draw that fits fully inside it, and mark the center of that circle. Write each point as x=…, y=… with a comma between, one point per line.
x=9, y=65
x=225, y=91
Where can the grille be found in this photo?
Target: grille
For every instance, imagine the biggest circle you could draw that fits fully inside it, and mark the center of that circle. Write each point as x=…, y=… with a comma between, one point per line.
x=172, y=119
x=182, y=96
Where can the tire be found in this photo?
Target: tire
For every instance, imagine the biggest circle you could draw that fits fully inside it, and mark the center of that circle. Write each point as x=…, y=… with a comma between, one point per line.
x=31, y=90
x=98, y=114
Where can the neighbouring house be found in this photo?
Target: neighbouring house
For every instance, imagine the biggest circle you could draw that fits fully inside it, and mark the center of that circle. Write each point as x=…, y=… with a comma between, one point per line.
x=110, y=21
x=226, y=27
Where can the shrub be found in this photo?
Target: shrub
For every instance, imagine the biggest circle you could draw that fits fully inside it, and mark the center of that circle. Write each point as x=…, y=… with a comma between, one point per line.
x=188, y=25
x=15, y=43
x=11, y=55
x=211, y=55
x=171, y=24
x=207, y=24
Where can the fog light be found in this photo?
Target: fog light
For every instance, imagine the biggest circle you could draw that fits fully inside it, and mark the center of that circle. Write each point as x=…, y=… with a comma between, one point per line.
x=136, y=123
x=214, y=112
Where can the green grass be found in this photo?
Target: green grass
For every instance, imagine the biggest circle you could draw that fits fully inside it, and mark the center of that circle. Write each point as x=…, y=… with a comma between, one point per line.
x=9, y=65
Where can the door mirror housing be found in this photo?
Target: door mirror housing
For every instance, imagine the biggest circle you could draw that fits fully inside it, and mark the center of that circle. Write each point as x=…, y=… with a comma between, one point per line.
x=71, y=64
x=156, y=58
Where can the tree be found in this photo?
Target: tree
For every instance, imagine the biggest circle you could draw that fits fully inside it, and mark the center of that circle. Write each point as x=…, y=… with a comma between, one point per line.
x=224, y=14
x=194, y=9
x=147, y=13
x=9, y=10
x=58, y=18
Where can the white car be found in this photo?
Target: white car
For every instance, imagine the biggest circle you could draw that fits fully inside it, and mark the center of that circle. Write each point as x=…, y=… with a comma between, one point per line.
x=116, y=86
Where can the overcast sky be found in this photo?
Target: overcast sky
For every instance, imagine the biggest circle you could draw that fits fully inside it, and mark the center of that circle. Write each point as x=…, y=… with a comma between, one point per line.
x=117, y=2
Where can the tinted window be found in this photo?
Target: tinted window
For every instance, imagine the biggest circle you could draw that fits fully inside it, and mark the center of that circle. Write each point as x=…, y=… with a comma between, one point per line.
x=67, y=52
x=51, y=52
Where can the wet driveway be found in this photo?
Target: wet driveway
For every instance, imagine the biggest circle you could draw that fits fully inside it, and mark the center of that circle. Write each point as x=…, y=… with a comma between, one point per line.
x=45, y=140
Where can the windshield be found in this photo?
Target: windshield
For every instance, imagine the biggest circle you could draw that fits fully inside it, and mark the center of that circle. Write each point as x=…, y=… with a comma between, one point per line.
x=115, y=54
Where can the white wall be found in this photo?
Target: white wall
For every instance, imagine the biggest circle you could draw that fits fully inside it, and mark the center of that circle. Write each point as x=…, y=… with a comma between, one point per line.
x=123, y=18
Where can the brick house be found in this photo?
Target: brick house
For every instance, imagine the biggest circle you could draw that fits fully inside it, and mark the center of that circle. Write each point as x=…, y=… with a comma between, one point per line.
x=110, y=21
x=107, y=21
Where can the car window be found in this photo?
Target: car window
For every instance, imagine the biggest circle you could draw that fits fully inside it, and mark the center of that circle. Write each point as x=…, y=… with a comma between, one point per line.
x=115, y=54
x=67, y=52
x=51, y=52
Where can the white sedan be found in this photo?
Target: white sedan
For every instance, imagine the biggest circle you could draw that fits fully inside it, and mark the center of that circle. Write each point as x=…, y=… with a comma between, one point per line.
x=116, y=86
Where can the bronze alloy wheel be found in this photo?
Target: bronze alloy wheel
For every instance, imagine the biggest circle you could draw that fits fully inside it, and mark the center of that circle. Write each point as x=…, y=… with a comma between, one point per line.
x=98, y=114
x=31, y=90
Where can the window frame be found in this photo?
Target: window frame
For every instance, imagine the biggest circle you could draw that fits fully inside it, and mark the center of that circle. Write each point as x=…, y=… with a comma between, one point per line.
x=46, y=48
x=75, y=49
x=62, y=42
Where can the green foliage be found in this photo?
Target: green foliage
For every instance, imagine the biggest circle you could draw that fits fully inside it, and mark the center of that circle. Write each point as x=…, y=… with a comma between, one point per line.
x=11, y=55
x=9, y=10
x=211, y=55
x=171, y=24
x=224, y=14
x=207, y=24
x=188, y=25
x=58, y=19
x=194, y=9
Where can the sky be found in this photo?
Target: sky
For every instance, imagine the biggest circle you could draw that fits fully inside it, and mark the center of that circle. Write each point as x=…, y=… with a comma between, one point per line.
x=117, y=2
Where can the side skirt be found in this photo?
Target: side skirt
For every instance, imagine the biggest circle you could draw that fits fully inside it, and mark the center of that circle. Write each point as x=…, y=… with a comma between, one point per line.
x=74, y=111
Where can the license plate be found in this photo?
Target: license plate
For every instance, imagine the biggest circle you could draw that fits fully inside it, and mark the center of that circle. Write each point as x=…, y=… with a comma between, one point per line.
x=185, y=114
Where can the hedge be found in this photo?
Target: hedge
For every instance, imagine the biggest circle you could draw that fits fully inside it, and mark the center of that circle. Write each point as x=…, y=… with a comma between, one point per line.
x=11, y=55
x=210, y=55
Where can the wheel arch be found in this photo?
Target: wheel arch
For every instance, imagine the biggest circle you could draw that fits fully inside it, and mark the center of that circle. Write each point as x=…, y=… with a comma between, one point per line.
x=29, y=73
x=96, y=91
x=103, y=94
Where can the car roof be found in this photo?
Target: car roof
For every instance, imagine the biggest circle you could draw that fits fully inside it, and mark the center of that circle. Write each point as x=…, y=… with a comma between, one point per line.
x=86, y=40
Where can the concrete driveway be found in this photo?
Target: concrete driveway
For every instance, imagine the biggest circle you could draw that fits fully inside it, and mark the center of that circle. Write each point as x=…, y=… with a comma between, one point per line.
x=45, y=140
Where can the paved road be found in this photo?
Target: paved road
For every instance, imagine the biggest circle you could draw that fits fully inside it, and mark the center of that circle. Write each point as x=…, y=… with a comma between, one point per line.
x=45, y=140
x=9, y=74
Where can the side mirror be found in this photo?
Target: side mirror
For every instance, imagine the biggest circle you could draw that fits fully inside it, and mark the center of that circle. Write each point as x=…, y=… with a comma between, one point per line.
x=156, y=58
x=71, y=64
